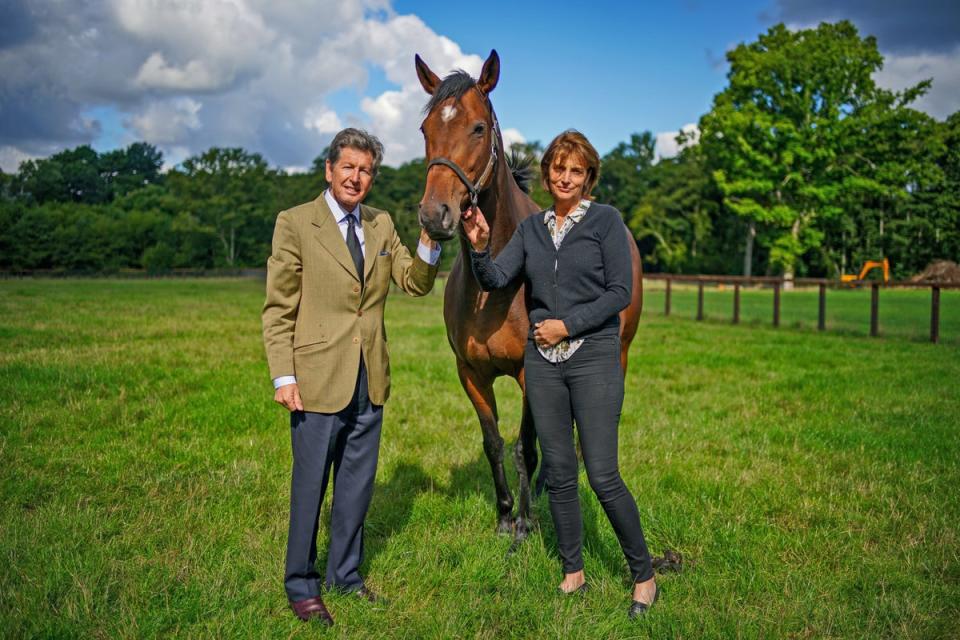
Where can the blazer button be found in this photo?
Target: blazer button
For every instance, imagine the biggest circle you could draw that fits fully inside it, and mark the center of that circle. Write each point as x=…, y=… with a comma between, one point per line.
x=356, y=288
x=356, y=341
x=359, y=312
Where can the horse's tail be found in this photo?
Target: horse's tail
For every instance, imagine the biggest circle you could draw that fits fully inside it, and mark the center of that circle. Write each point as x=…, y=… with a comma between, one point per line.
x=521, y=166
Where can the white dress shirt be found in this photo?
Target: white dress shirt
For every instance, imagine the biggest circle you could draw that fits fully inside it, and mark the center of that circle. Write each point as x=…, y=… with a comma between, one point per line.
x=428, y=255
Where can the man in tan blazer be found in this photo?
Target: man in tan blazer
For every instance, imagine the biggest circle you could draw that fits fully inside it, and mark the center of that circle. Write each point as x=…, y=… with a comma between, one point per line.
x=327, y=280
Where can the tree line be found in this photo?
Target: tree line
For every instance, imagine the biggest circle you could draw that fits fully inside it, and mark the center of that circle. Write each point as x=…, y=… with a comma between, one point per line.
x=802, y=166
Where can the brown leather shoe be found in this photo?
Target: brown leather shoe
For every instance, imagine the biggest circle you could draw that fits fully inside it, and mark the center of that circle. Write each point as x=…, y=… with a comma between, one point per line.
x=312, y=608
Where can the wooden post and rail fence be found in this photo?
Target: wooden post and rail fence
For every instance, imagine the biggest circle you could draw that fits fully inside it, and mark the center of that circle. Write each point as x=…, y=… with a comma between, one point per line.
x=778, y=284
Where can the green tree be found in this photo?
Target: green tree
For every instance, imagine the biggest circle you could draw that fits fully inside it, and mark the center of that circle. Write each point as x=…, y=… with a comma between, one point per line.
x=5, y=182
x=398, y=190
x=229, y=192
x=625, y=172
x=125, y=170
x=676, y=221
x=777, y=138
x=891, y=167
x=928, y=227
x=72, y=175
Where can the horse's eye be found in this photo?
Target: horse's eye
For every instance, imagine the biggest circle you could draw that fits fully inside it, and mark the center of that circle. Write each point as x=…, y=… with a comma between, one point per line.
x=478, y=129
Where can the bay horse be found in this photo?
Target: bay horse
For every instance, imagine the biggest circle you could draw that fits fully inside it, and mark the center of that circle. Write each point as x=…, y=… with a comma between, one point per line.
x=487, y=331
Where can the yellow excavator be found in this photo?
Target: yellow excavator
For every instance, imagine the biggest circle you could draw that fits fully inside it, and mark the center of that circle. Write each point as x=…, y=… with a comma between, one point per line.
x=867, y=267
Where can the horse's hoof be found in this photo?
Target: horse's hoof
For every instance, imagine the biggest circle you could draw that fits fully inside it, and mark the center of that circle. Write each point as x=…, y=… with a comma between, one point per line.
x=505, y=527
x=521, y=528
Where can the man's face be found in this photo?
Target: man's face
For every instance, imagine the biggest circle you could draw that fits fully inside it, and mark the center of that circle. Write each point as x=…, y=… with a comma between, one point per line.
x=351, y=177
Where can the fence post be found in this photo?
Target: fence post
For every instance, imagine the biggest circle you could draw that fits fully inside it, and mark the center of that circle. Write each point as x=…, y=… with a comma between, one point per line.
x=935, y=314
x=776, y=304
x=700, y=300
x=822, y=317
x=736, y=303
x=874, y=309
x=666, y=300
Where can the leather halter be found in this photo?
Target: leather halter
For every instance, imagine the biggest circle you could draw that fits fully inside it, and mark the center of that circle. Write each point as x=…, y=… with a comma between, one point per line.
x=474, y=187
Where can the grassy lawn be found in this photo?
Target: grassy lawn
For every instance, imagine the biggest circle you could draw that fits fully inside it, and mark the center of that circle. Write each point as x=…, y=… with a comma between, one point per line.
x=809, y=480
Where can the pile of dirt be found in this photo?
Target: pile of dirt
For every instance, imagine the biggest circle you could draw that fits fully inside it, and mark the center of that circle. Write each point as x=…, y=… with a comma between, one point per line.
x=941, y=271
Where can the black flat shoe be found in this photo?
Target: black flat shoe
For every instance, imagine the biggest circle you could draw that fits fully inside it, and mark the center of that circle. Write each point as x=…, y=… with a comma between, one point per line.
x=638, y=608
x=581, y=589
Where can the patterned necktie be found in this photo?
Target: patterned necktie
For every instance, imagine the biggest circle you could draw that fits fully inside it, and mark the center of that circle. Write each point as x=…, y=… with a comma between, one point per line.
x=353, y=244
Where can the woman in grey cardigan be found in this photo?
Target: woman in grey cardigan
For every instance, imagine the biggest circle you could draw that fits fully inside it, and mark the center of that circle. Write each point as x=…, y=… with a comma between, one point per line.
x=575, y=262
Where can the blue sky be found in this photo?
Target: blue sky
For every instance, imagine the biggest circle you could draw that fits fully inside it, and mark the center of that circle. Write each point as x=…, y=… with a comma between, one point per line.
x=606, y=68
x=280, y=78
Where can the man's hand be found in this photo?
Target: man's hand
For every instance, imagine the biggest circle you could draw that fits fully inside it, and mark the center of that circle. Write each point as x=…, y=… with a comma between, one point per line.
x=426, y=241
x=549, y=332
x=289, y=396
x=476, y=228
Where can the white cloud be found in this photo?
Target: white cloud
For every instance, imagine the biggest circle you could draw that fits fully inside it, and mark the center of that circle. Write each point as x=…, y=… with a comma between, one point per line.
x=395, y=115
x=667, y=146
x=902, y=71
x=910, y=55
x=322, y=120
x=191, y=22
x=213, y=40
x=167, y=122
x=510, y=136
x=174, y=155
x=11, y=157
x=272, y=77
x=156, y=73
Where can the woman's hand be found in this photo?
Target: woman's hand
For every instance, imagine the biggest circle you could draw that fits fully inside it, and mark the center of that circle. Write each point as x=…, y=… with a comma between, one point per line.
x=476, y=228
x=549, y=332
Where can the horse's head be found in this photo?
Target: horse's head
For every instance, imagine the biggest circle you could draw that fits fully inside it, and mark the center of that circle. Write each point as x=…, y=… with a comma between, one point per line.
x=461, y=137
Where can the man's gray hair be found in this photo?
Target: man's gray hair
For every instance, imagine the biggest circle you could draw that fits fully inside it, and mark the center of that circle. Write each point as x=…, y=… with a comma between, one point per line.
x=356, y=139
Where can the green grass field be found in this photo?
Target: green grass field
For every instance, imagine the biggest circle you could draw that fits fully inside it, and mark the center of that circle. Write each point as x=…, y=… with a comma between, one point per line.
x=810, y=480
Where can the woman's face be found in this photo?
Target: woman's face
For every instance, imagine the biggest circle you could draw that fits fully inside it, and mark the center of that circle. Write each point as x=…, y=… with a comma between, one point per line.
x=567, y=176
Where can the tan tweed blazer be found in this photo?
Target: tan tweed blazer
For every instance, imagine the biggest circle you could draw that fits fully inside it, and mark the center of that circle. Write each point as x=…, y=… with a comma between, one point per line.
x=316, y=318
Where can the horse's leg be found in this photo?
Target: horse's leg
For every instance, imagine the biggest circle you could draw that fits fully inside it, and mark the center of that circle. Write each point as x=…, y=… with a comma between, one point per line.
x=525, y=459
x=480, y=392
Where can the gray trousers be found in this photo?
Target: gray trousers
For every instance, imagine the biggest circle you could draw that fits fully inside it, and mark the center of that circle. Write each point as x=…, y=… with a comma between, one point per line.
x=348, y=441
x=588, y=389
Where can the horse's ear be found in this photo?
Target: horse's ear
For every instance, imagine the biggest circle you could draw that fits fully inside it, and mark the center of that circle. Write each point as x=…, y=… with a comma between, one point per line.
x=490, y=73
x=428, y=79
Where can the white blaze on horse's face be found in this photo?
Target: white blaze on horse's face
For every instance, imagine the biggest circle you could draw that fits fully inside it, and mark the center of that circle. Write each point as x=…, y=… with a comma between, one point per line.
x=448, y=112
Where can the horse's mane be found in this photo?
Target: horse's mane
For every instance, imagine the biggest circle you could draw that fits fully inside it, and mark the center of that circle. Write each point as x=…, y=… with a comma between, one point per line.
x=521, y=166
x=453, y=86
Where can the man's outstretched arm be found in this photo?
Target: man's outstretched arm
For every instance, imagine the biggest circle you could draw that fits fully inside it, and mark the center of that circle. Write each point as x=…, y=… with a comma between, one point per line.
x=415, y=274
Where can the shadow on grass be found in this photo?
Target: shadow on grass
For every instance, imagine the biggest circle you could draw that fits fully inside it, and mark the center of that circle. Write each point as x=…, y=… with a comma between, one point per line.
x=475, y=478
x=392, y=506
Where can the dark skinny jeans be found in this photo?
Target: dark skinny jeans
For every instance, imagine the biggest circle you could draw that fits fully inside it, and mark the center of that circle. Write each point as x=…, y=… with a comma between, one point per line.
x=587, y=388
